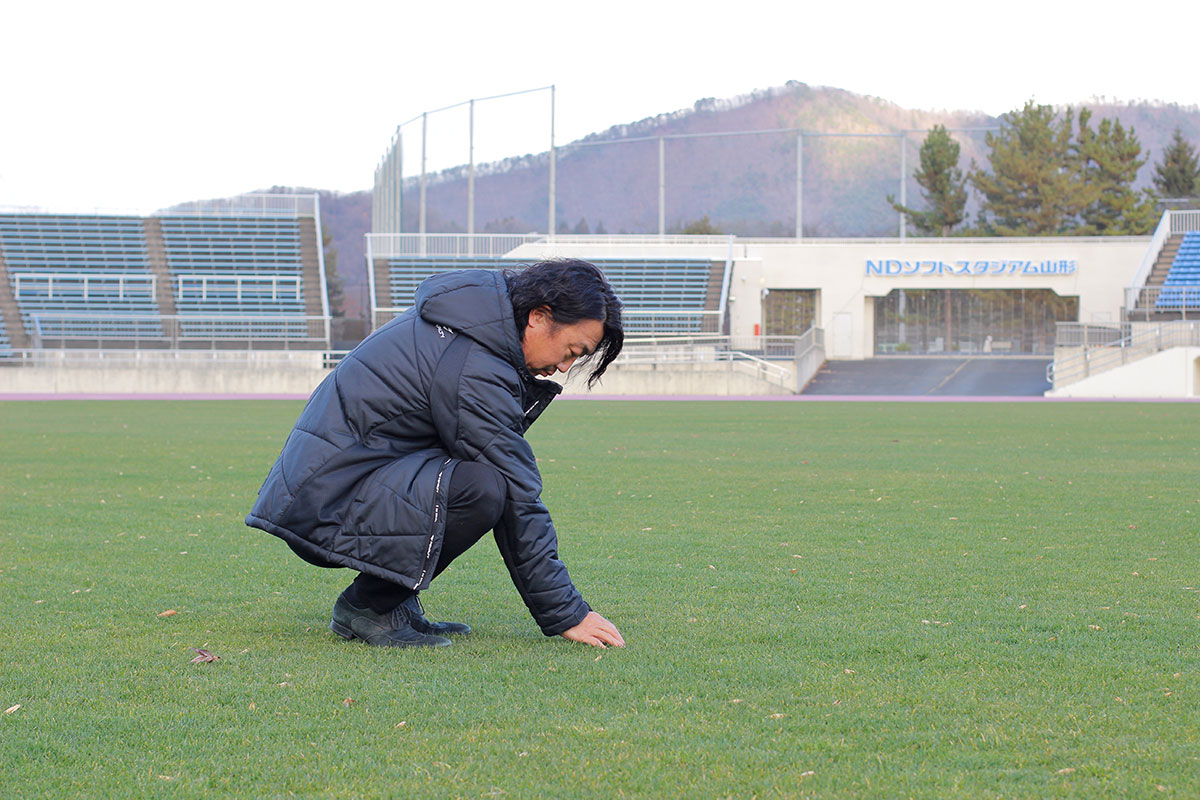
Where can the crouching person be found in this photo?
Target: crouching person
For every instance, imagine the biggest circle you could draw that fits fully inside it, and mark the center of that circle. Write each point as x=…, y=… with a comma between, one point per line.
x=413, y=448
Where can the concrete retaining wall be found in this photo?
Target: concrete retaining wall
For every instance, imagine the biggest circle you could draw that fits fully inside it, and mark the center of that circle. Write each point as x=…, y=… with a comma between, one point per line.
x=300, y=374
x=728, y=378
x=1173, y=373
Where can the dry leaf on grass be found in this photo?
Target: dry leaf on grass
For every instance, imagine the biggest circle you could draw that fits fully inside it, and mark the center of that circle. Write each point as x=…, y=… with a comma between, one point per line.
x=203, y=656
x=170, y=612
x=349, y=701
x=11, y=709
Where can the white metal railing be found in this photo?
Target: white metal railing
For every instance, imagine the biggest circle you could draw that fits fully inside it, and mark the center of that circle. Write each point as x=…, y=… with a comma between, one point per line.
x=1148, y=300
x=79, y=357
x=1150, y=256
x=1184, y=221
x=219, y=285
x=248, y=205
x=1171, y=224
x=810, y=355
x=704, y=352
x=78, y=285
x=1102, y=348
x=667, y=321
x=445, y=245
x=636, y=240
x=460, y=245
x=1096, y=334
x=783, y=360
x=173, y=331
x=637, y=321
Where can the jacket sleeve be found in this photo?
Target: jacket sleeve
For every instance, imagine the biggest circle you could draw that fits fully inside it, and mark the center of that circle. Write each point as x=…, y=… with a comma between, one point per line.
x=488, y=429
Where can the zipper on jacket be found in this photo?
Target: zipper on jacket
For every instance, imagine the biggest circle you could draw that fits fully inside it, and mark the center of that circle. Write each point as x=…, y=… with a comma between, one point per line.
x=437, y=516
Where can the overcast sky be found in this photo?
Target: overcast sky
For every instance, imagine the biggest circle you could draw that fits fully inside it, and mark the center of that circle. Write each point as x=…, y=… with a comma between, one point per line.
x=133, y=106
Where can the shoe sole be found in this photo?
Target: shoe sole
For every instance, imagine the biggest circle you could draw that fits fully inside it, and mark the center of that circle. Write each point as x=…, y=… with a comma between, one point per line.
x=341, y=630
x=348, y=634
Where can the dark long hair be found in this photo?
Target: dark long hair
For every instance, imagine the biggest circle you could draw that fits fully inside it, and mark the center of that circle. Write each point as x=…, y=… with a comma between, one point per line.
x=573, y=290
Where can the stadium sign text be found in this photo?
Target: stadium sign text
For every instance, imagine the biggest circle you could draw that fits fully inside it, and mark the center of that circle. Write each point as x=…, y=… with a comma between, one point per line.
x=893, y=267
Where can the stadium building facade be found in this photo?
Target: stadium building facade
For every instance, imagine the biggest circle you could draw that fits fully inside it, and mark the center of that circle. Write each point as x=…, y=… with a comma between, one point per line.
x=1053, y=298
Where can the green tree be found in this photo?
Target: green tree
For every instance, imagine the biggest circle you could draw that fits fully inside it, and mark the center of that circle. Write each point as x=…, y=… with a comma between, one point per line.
x=700, y=227
x=1178, y=175
x=1034, y=187
x=1109, y=159
x=942, y=185
x=333, y=279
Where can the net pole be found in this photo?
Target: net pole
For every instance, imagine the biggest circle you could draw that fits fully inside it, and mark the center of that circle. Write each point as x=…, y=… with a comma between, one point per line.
x=662, y=187
x=903, y=184
x=424, y=137
x=799, y=186
x=471, y=170
x=553, y=165
x=400, y=182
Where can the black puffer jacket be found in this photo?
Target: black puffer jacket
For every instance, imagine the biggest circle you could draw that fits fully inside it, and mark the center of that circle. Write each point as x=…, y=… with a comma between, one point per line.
x=362, y=478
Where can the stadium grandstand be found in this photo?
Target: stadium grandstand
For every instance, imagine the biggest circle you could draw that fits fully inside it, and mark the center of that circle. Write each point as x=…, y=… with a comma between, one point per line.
x=1010, y=315
x=243, y=273
x=1180, y=290
x=672, y=294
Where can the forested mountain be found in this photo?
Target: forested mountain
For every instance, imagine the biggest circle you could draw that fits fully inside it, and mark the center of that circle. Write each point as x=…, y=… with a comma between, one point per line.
x=743, y=184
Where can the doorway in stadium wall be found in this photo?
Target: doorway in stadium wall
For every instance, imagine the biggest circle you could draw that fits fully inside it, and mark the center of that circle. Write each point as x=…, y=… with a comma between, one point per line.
x=970, y=321
x=788, y=312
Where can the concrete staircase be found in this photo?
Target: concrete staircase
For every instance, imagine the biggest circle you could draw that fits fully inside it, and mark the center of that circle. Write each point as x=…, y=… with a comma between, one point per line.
x=10, y=313
x=1145, y=309
x=712, y=296
x=383, y=289
x=156, y=254
x=310, y=267
x=1165, y=257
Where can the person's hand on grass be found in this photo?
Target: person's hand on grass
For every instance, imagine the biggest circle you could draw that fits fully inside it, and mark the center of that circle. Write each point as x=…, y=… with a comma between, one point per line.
x=596, y=631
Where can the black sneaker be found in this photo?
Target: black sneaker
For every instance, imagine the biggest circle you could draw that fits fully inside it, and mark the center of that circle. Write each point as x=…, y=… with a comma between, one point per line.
x=416, y=617
x=384, y=630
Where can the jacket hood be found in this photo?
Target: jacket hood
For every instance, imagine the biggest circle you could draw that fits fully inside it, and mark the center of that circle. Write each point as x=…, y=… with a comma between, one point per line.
x=474, y=302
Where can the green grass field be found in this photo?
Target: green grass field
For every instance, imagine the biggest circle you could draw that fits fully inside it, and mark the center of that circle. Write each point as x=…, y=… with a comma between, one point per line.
x=820, y=600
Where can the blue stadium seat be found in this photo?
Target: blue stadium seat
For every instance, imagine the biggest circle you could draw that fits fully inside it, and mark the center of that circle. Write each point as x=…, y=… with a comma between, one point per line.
x=1181, y=287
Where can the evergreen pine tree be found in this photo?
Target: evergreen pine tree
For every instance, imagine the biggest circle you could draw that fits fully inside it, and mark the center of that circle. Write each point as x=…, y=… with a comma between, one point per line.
x=1178, y=175
x=1034, y=187
x=942, y=185
x=333, y=280
x=1109, y=159
x=700, y=227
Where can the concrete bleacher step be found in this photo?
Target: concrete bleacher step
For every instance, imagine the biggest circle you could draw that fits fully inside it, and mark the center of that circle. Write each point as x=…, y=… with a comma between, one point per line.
x=383, y=290
x=18, y=339
x=156, y=254
x=310, y=269
x=712, y=295
x=1162, y=264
